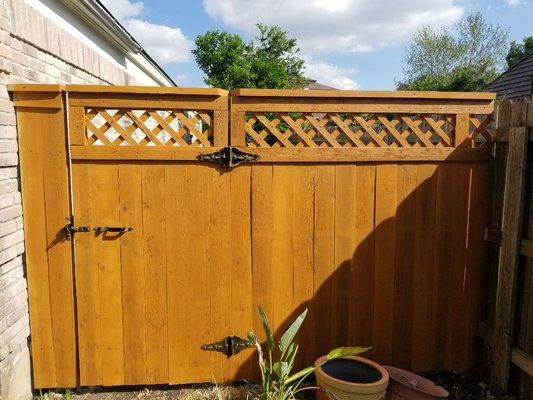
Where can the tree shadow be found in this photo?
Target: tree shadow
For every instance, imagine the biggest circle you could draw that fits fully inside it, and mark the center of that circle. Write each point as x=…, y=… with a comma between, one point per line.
x=414, y=287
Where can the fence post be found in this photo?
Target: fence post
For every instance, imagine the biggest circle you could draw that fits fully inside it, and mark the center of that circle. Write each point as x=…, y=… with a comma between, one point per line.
x=515, y=178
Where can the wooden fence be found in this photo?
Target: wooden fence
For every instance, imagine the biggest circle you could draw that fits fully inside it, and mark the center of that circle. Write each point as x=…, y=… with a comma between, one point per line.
x=368, y=208
x=509, y=324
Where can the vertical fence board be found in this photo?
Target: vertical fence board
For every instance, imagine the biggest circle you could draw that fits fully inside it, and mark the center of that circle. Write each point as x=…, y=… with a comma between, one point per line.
x=403, y=264
x=363, y=249
x=345, y=238
x=508, y=272
x=33, y=202
x=87, y=301
x=324, y=256
x=385, y=245
x=154, y=216
x=424, y=300
x=241, y=267
x=263, y=289
x=133, y=272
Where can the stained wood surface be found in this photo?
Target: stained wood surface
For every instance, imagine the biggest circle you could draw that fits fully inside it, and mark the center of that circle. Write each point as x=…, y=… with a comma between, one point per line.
x=511, y=237
x=381, y=245
x=46, y=207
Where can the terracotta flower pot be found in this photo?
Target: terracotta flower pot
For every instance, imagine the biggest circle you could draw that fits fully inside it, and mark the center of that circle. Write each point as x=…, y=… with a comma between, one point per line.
x=351, y=378
x=405, y=385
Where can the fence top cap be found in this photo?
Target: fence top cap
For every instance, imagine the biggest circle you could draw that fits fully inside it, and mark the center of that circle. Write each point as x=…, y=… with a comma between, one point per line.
x=27, y=87
x=398, y=94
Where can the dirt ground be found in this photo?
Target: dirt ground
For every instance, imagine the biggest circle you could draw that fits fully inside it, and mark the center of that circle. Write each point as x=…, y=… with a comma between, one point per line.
x=460, y=385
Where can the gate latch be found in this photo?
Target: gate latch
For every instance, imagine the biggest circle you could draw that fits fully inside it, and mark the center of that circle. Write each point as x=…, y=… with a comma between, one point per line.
x=71, y=229
x=228, y=157
x=229, y=346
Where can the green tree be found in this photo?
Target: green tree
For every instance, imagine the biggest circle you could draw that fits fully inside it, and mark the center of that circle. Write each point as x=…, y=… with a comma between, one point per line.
x=517, y=51
x=269, y=61
x=466, y=58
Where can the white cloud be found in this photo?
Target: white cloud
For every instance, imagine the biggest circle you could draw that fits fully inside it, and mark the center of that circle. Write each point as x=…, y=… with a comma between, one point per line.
x=332, y=26
x=123, y=9
x=515, y=3
x=331, y=75
x=164, y=43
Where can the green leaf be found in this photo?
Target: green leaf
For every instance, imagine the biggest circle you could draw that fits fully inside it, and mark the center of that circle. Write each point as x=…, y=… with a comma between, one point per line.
x=345, y=351
x=291, y=353
x=303, y=372
x=290, y=333
x=251, y=337
x=281, y=369
x=266, y=327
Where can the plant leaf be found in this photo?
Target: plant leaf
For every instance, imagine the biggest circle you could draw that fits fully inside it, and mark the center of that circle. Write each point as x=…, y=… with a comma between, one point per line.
x=345, y=351
x=290, y=333
x=266, y=327
x=303, y=372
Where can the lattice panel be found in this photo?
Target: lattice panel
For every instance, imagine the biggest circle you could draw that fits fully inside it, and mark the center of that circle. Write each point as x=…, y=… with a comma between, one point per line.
x=478, y=130
x=348, y=130
x=124, y=127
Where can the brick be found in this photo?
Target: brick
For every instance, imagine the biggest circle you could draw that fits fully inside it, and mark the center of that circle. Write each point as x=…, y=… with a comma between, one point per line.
x=9, y=186
x=8, y=132
x=11, y=277
x=7, y=200
x=18, y=328
x=32, y=75
x=38, y=65
x=8, y=159
x=7, y=172
x=13, y=290
x=11, y=239
x=5, y=24
x=10, y=213
x=20, y=58
x=8, y=254
x=30, y=50
x=8, y=119
x=6, y=105
x=8, y=145
x=8, y=227
x=8, y=266
x=20, y=222
x=5, y=51
x=21, y=248
x=17, y=314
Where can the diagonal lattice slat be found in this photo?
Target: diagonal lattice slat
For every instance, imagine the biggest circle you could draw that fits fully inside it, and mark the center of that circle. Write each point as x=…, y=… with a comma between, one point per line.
x=125, y=127
x=478, y=131
x=338, y=130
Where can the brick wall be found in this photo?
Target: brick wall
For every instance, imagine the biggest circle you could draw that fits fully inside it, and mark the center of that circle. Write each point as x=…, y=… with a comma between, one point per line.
x=32, y=49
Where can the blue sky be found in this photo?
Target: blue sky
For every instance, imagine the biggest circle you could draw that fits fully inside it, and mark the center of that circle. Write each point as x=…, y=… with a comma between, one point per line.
x=348, y=44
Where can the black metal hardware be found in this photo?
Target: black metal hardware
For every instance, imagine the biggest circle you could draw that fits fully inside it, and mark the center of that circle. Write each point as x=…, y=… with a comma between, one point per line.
x=228, y=157
x=229, y=346
x=71, y=229
x=116, y=229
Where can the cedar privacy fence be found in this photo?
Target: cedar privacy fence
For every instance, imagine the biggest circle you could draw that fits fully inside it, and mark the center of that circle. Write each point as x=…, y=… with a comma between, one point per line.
x=369, y=208
x=508, y=326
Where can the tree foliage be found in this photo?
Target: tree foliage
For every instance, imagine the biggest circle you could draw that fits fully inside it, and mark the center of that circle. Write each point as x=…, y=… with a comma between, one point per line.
x=270, y=60
x=466, y=58
x=517, y=51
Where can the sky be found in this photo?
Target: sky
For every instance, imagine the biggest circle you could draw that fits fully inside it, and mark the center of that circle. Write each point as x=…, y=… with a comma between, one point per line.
x=346, y=44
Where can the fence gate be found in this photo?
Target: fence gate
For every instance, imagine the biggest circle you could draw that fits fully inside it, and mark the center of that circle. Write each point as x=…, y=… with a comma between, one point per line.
x=366, y=207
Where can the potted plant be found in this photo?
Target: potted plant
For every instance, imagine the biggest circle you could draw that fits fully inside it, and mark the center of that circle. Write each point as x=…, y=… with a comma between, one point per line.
x=278, y=380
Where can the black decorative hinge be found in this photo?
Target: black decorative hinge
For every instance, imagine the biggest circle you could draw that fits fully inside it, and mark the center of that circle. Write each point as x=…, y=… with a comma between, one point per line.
x=229, y=346
x=228, y=157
